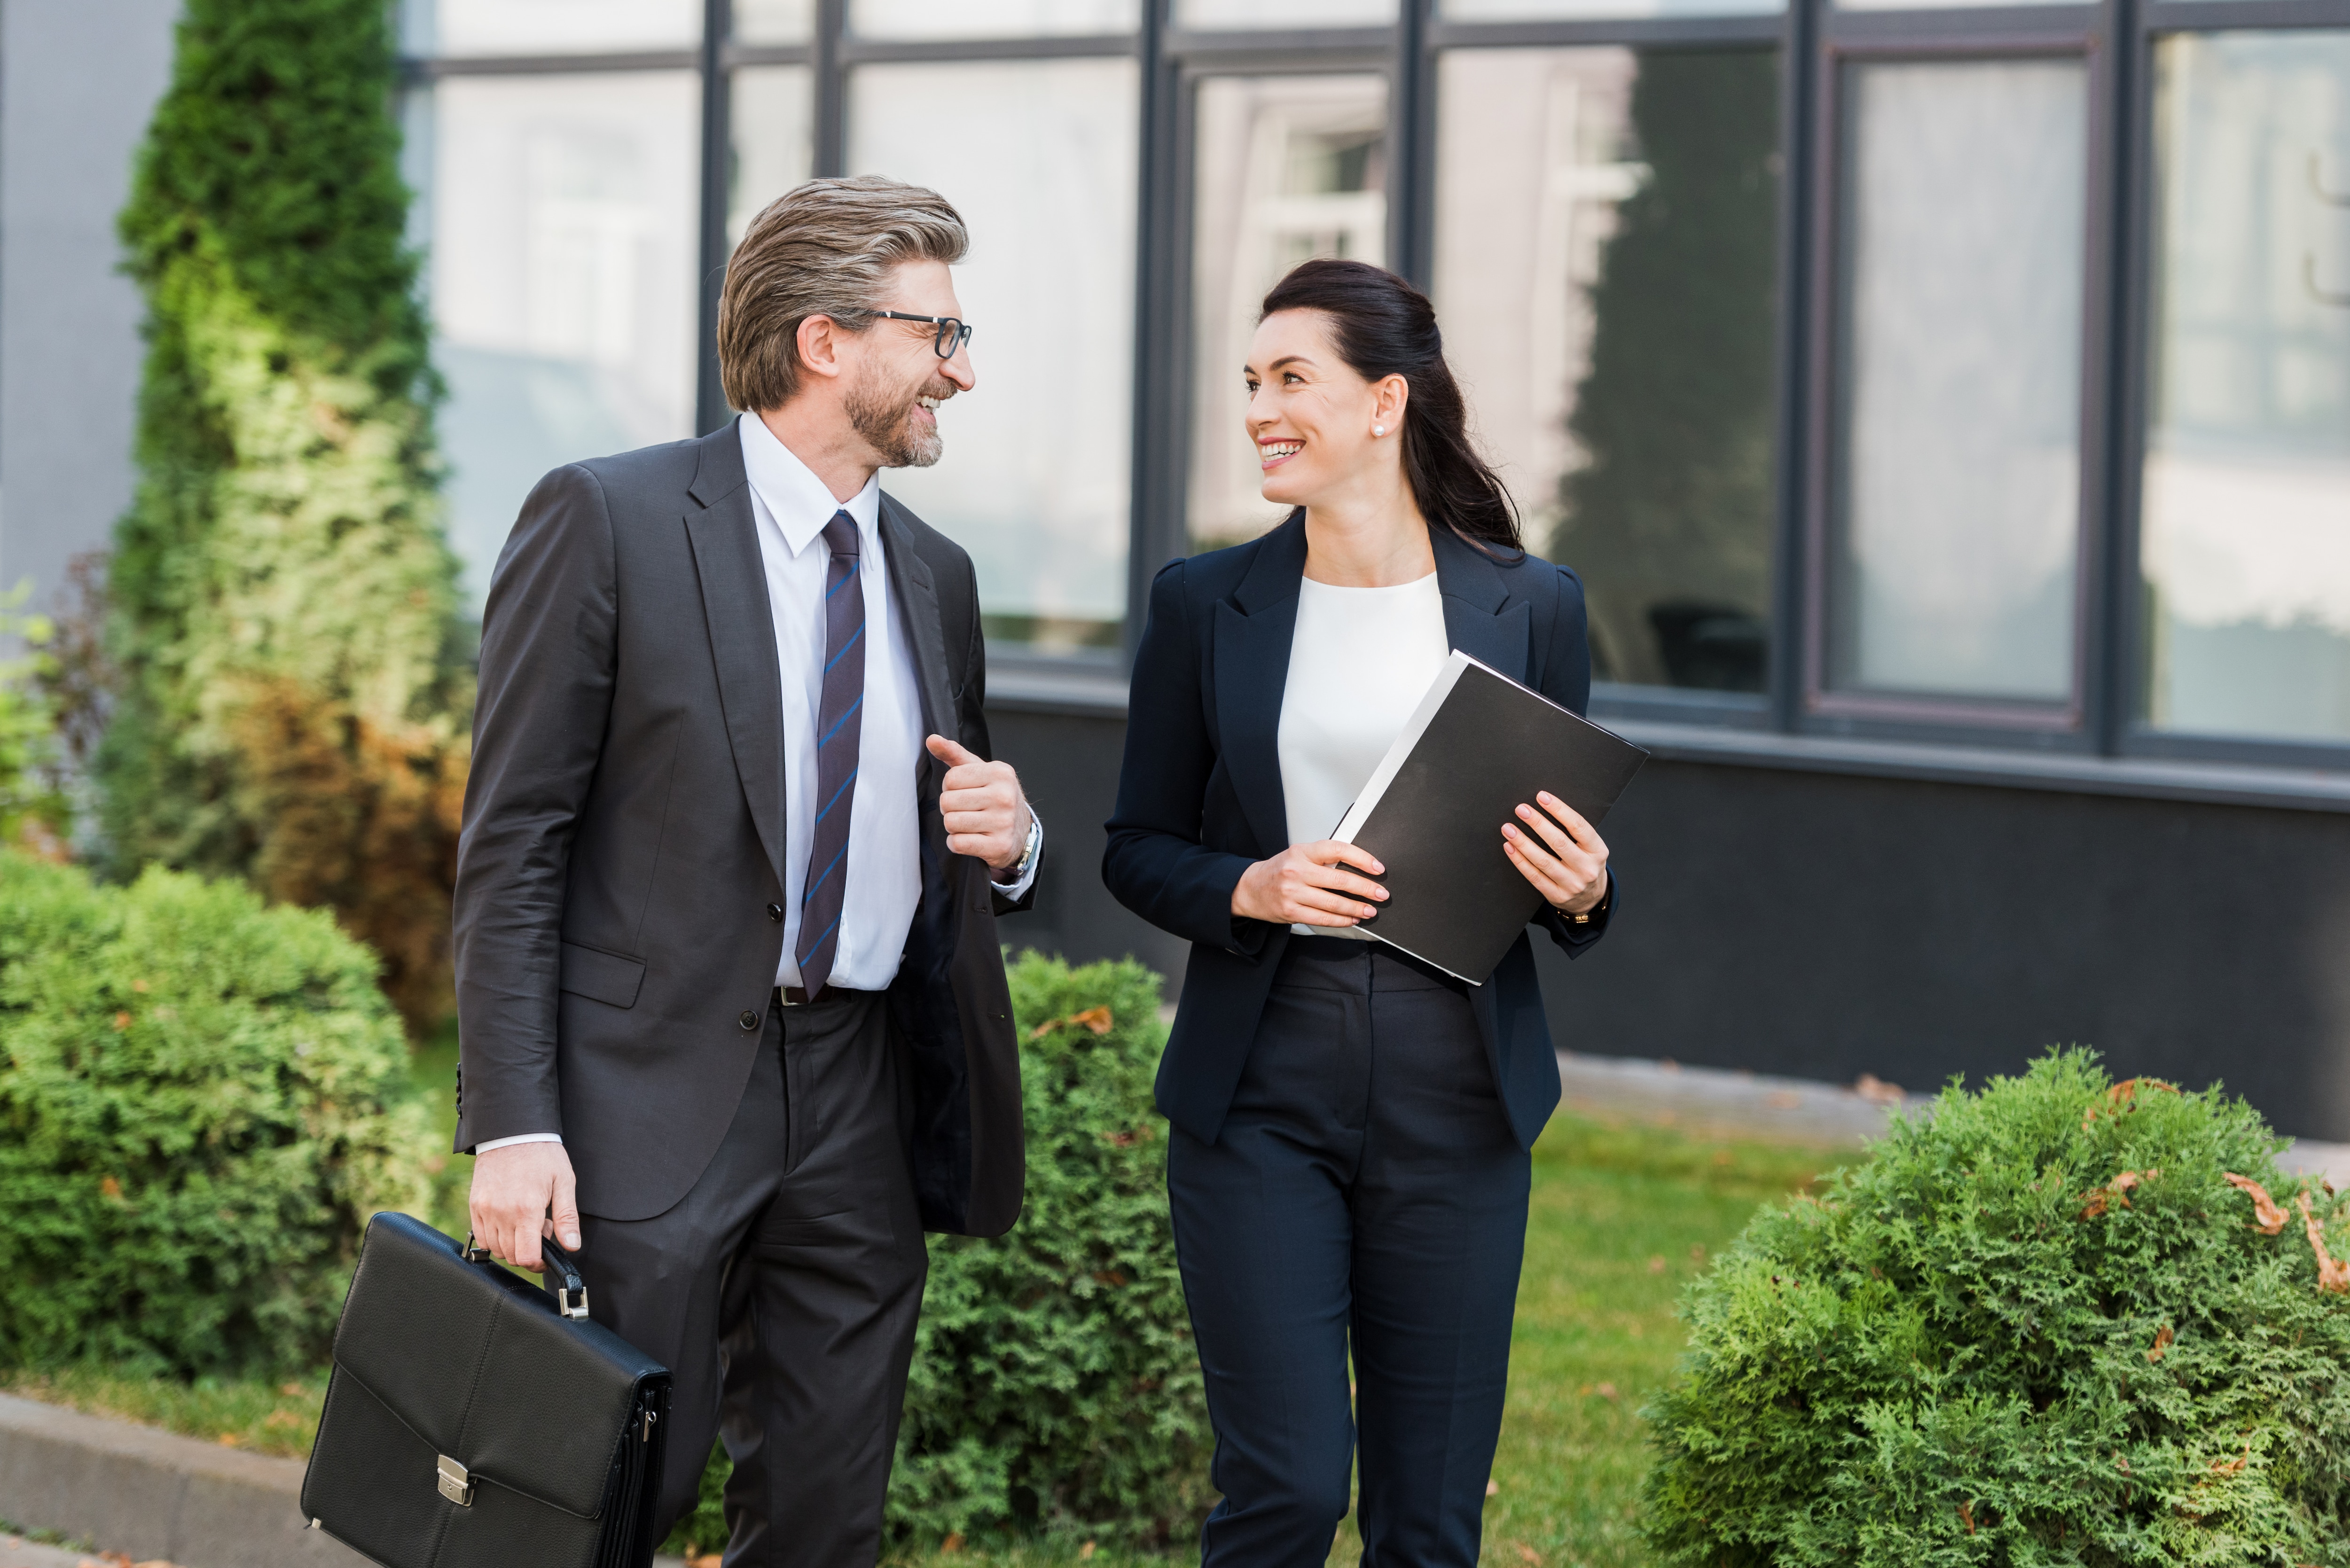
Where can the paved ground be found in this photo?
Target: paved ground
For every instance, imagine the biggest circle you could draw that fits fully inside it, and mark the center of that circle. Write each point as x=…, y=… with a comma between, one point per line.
x=1712, y=1103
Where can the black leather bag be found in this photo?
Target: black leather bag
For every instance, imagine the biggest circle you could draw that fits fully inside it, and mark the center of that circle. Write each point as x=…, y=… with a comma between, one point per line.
x=470, y=1422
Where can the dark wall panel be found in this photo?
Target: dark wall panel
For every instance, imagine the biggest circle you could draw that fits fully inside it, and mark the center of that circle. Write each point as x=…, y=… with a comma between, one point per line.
x=1823, y=926
x=1068, y=766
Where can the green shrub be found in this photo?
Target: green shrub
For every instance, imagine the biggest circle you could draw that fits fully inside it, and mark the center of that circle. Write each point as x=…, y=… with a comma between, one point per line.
x=202, y=1100
x=293, y=698
x=31, y=806
x=1054, y=1387
x=2039, y=1326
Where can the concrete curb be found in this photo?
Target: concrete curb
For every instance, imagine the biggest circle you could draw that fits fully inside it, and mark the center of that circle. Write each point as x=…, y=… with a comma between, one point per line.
x=15, y=1553
x=150, y=1494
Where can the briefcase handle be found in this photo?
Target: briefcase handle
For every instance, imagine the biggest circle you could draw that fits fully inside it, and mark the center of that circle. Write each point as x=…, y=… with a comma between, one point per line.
x=569, y=1290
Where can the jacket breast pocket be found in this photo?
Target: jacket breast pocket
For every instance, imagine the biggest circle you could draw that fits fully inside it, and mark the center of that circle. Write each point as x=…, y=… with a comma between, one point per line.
x=600, y=976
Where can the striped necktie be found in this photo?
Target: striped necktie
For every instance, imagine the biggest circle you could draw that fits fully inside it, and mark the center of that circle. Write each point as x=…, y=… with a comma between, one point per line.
x=837, y=727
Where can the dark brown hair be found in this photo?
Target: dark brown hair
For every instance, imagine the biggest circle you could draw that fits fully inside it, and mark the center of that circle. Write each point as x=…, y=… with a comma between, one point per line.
x=1383, y=327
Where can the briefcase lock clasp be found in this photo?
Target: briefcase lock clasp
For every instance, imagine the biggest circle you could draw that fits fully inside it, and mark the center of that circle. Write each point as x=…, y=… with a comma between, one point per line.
x=456, y=1483
x=573, y=1302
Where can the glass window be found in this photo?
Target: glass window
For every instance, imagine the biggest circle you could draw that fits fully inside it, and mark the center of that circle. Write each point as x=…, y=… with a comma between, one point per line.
x=990, y=19
x=1207, y=15
x=562, y=280
x=550, y=26
x=1285, y=167
x=1959, y=411
x=1580, y=10
x=1606, y=268
x=773, y=110
x=774, y=21
x=1940, y=5
x=2245, y=516
x=1041, y=158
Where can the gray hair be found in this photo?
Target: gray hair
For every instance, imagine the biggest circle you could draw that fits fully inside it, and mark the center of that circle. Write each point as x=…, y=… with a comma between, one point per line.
x=823, y=249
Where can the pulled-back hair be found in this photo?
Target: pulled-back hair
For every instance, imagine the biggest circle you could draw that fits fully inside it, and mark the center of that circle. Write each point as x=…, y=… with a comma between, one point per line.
x=822, y=249
x=1383, y=327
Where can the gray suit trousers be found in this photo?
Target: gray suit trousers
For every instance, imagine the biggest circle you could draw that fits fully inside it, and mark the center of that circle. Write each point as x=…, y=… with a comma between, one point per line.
x=782, y=1291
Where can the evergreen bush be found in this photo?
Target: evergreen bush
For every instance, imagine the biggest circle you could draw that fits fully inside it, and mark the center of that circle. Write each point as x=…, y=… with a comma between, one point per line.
x=202, y=1100
x=1054, y=1387
x=32, y=806
x=293, y=703
x=2050, y=1322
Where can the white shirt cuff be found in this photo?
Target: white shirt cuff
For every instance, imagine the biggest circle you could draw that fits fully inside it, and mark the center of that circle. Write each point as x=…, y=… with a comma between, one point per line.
x=1028, y=879
x=480, y=1148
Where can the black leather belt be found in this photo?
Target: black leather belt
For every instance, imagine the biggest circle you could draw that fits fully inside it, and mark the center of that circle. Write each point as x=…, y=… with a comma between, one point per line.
x=791, y=995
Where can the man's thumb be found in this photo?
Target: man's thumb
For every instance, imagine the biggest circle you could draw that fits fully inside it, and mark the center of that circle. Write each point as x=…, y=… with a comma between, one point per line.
x=566, y=1211
x=950, y=752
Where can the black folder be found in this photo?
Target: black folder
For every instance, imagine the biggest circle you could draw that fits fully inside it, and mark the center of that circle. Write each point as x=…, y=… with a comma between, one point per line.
x=1478, y=746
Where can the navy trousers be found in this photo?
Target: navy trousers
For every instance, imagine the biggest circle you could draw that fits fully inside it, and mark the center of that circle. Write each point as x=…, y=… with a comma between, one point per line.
x=1364, y=1195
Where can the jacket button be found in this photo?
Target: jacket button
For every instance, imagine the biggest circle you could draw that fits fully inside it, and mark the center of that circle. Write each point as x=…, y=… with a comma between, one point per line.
x=775, y=912
x=749, y=1020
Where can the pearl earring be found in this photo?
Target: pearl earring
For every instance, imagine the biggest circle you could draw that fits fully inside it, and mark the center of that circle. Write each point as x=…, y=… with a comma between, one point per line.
x=1378, y=430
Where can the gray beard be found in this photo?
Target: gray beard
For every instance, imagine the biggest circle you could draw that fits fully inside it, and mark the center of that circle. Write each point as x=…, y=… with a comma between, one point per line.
x=885, y=418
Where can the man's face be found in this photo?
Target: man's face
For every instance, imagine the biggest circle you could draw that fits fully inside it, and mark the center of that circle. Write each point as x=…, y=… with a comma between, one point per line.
x=899, y=379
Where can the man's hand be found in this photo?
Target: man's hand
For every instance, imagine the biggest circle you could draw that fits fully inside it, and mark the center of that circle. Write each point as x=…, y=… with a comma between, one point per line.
x=1562, y=856
x=521, y=1193
x=986, y=816
x=1312, y=884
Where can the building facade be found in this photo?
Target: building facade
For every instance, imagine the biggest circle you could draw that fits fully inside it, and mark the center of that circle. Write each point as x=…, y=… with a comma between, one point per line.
x=1947, y=408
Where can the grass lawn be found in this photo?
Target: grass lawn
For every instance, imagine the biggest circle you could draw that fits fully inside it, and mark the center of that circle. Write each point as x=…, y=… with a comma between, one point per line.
x=1623, y=1217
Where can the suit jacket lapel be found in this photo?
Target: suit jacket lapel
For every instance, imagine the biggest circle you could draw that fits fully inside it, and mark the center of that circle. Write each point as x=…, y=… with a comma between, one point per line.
x=1252, y=634
x=1479, y=620
x=733, y=575
x=916, y=596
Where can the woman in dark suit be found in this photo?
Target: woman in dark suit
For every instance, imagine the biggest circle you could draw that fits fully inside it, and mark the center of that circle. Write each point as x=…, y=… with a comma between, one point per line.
x=1348, y=1167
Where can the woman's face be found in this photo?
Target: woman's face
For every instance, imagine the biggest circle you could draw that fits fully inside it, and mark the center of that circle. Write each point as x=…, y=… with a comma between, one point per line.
x=1308, y=412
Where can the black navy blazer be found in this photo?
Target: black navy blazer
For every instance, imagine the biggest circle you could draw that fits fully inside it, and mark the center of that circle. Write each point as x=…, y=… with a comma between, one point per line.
x=1200, y=797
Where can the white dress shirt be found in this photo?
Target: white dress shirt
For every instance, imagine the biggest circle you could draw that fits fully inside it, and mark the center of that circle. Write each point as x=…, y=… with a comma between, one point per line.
x=792, y=506
x=1359, y=662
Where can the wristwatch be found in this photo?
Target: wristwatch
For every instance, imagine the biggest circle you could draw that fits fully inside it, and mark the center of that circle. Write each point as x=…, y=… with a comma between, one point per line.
x=1019, y=868
x=1585, y=918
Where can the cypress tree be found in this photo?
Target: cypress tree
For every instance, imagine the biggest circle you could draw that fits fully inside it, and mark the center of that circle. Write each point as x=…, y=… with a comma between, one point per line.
x=1670, y=517
x=295, y=695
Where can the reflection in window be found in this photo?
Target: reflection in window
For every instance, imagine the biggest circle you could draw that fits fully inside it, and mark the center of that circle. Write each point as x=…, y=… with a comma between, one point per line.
x=1207, y=15
x=1605, y=272
x=1958, y=482
x=1288, y=168
x=990, y=18
x=548, y=26
x=1041, y=160
x=2245, y=518
x=773, y=111
x=774, y=21
x=1592, y=10
x=562, y=267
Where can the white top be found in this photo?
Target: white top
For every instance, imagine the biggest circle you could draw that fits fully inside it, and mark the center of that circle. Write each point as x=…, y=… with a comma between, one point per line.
x=791, y=505
x=1359, y=664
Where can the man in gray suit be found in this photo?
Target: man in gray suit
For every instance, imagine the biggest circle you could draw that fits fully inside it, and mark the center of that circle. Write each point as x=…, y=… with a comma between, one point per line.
x=733, y=1012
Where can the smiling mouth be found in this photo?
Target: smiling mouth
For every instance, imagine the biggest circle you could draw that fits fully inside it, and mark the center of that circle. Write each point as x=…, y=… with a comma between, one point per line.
x=1273, y=452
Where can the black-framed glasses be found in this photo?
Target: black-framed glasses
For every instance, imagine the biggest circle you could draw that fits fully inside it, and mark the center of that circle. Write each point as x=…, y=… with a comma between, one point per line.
x=952, y=334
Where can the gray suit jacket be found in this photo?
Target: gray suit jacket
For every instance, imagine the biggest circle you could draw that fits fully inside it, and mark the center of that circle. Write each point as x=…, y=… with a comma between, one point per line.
x=620, y=874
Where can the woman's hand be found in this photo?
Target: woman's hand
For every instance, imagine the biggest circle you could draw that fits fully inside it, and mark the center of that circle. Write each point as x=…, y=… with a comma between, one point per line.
x=1562, y=855
x=1311, y=885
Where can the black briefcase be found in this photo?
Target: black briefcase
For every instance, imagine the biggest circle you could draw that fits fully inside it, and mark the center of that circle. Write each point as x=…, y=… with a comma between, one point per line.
x=472, y=1422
